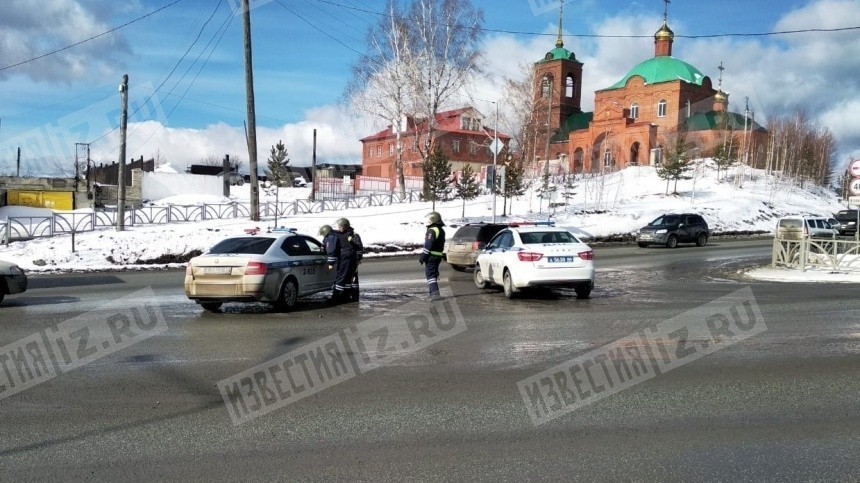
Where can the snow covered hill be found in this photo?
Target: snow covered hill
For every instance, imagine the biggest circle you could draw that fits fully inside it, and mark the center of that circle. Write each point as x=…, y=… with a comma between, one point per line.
x=616, y=204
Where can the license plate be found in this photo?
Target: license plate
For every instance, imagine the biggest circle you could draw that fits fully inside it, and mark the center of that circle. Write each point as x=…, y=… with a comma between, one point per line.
x=217, y=270
x=561, y=259
x=645, y=237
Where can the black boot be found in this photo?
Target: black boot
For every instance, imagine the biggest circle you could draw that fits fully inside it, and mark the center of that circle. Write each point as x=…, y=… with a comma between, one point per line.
x=336, y=297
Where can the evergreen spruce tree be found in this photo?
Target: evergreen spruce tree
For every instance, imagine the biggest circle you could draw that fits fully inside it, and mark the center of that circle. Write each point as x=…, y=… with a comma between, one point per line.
x=724, y=154
x=437, y=177
x=466, y=187
x=278, y=173
x=675, y=164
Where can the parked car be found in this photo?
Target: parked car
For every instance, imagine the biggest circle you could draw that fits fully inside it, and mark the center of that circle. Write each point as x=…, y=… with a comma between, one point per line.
x=299, y=182
x=530, y=256
x=804, y=226
x=277, y=268
x=235, y=179
x=672, y=229
x=461, y=250
x=12, y=279
x=847, y=220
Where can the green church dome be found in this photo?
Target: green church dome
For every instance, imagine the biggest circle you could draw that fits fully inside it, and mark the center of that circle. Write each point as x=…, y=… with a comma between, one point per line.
x=662, y=69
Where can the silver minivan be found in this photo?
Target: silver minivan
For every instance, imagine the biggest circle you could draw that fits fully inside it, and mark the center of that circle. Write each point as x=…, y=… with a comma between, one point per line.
x=801, y=226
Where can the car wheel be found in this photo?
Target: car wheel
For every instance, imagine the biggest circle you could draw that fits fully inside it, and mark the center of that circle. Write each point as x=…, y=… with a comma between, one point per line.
x=208, y=306
x=480, y=281
x=2, y=295
x=583, y=291
x=508, y=284
x=672, y=242
x=642, y=245
x=240, y=182
x=459, y=268
x=702, y=240
x=289, y=295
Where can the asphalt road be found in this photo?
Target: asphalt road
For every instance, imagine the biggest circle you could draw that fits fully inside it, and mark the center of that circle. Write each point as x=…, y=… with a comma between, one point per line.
x=140, y=399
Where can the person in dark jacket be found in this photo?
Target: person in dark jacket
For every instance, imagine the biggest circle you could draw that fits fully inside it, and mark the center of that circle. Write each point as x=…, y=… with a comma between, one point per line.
x=332, y=244
x=349, y=236
x=431, y=255
x=346, y=263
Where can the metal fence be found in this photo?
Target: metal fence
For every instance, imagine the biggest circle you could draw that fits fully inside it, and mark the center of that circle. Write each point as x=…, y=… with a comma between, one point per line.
x=841, y=255
x=28, y=227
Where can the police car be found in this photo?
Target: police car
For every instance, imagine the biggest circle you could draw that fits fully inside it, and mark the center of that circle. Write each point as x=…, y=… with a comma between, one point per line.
x=523, y=256
x=276, y=267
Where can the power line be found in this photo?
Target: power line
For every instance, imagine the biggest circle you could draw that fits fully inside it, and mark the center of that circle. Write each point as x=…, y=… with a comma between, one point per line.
x=279, y=2
x=61, y=49
x=555, y=34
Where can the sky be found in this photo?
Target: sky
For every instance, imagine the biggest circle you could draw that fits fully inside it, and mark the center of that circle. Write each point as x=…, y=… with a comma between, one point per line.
x=185, y=63
x=620, y=203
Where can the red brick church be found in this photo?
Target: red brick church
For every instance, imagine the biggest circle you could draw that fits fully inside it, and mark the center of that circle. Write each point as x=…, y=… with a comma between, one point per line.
x=634, y=119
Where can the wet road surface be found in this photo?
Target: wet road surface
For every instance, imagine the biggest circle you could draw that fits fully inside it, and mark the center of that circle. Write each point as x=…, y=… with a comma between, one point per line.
x=782, y=404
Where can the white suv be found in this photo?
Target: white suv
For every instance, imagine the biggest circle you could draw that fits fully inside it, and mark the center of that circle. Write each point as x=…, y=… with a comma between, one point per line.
x=801, y=226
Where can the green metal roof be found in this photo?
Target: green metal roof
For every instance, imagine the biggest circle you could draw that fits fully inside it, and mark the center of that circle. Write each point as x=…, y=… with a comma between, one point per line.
x=711, y=120
x=575, y=122
x=662, y=69
x=559, y=53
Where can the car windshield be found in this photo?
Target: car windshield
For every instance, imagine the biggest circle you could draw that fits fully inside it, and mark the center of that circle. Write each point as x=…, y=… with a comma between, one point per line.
x=666, y=220
x=847, y=215
x=547, y=237
x=245, y=245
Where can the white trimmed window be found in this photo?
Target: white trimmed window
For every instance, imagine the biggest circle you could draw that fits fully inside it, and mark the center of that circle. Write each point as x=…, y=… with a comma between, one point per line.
x=634, y=111
x=661, y=108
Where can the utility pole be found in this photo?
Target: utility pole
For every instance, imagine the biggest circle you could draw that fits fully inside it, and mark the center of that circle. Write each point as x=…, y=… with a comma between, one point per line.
x=252, y=117
x=120, y=185
x=314, y=169
x=18, y=164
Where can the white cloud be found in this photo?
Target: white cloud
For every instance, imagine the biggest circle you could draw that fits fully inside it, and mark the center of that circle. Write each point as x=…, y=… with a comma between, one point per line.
x=27, y=32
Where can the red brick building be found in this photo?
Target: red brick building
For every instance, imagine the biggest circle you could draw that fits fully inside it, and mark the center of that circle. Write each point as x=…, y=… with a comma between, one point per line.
x=633, y=119
x=461, y=133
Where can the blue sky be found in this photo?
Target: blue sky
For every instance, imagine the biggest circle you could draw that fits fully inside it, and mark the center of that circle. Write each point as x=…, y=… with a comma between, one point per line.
x=304, y=50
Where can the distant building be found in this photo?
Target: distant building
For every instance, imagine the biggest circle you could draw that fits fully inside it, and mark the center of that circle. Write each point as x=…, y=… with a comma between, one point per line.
x=634, y=119
x=462, y=134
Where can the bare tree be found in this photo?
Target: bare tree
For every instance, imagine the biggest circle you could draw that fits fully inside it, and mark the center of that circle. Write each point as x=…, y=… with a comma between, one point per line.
x=444, y=41
x=519, y=120
x=381, y=84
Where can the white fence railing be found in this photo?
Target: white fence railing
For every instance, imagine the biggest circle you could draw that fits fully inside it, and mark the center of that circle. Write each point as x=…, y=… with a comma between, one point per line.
x=27, y=227
x=841, y=255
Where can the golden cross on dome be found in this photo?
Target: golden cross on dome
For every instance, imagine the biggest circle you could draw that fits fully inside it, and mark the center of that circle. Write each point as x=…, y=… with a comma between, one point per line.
x=666, y=8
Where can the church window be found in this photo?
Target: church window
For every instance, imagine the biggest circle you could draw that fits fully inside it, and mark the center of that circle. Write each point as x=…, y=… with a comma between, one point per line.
x=661, y=108
x=634, y=111
x=546, y=86
x=569, y=86
x=378, y=151
x=391, y=150
x=456, y=145
x=689, y=108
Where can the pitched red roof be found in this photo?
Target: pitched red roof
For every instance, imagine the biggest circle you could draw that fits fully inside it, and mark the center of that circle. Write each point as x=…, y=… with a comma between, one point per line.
x=446, y=121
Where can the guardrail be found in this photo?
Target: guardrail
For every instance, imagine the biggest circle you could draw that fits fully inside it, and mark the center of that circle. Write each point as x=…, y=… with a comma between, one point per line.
x=833, y=254
x=27, y=227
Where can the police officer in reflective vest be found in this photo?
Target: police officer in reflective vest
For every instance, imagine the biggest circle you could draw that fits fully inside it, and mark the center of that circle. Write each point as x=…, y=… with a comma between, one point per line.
x=351, y=238
x=331, y=242
x=431, y=256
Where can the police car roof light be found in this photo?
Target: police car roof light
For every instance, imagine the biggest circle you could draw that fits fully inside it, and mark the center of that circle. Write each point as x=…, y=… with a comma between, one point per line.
x=284, y=230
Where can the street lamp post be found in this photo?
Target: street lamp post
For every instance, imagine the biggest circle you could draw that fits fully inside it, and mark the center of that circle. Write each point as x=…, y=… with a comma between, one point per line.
x=495, y=155
x=547, y=83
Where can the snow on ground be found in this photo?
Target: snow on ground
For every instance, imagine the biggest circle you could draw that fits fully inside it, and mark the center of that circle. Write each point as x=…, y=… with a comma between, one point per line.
x=770, y=274
x=599, y=206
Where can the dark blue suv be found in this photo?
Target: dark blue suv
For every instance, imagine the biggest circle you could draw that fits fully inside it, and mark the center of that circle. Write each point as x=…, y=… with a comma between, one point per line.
x=672, y=229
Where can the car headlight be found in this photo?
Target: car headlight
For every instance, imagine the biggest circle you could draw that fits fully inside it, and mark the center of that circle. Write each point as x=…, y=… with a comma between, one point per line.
x=660, y=232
